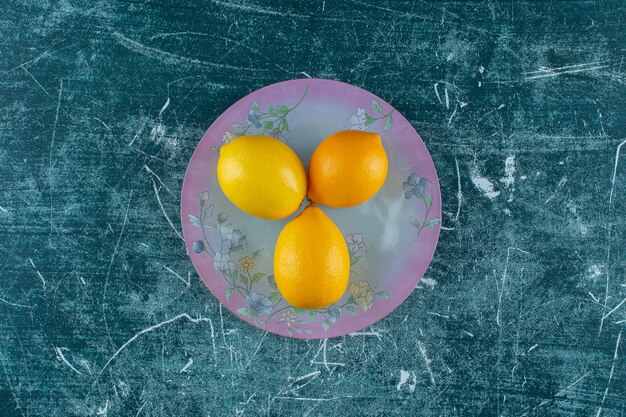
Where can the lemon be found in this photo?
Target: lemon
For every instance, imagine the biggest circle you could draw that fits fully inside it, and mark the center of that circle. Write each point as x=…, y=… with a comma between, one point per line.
x=311, y=261
x=262, y=176
x=347, y=168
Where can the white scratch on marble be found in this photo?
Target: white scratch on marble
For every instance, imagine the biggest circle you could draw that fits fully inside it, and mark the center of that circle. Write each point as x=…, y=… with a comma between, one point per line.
x=614, y=309
x=456, y=107
x=543, y=70
x=186, y=281
x=222, y=325
x=309, y=398
x=558, y=187
x=165, y=106
x=503, y=283
x=15, y=304
x=595, y=299
x=554, y=73
x=54, y=129
x=104, y=124
x=169, y=57
x=61, y=357
x=373, y=333
x=432, y=313
x=509, y=175
x=213, y=342
x=308, y=378
x=429, y=282
x=483, y=184
x=324, y=362
x=309, y=375
x=187, y=365
x=437, y=93
x=156, y=192
x=562, y=392
x=43, y=281
x=141, y=408
x=37, y=82
x=106, y=280
x=610, y=224
x=256, y=349
x=608, y=383
x=404, y=380
x=422, y=349
x=138, y=133
x=258, y=9
x=144, y=331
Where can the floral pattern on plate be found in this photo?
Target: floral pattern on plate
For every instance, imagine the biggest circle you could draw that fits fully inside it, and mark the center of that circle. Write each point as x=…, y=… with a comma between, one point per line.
x=237, y=267
x=272, y=122
x=391, y=238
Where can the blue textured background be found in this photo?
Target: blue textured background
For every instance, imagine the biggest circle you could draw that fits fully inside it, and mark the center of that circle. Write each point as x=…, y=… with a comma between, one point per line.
x=521, y=104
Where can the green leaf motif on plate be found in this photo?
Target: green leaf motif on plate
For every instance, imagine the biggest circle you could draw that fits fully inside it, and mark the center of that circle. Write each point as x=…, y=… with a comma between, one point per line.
x=281, y=110
x=245, y=312
x=194, y=220
x=432, y=223
x=208, y=212
x=258, y=277
x=228, y=293
x=275, y=296
x=377, y=107
x=388, y=123
x=350, y=310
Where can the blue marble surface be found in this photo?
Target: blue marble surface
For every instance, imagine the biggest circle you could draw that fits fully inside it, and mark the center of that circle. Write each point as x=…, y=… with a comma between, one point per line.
x=521, y=104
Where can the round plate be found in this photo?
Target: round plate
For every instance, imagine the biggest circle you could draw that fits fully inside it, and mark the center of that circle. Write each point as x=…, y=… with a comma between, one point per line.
x=391, y=238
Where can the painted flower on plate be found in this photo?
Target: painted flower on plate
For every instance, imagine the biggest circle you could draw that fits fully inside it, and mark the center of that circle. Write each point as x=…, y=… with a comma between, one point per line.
x=333, y=313
x=288, y=317
x=414, y=186
x=271, y=280
x=222, y=262
x=259, y=303
x=204, y=196
x=362, y=294
x=355, y=243
x=198, y=246
x=246, y=264
x=253, y=119
x=357, y=120
x=228, y=137
x=233, y=239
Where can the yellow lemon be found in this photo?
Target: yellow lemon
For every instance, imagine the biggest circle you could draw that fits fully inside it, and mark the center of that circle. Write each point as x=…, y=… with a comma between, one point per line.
x=347, y=169
x=262, y=176
x=311, y=261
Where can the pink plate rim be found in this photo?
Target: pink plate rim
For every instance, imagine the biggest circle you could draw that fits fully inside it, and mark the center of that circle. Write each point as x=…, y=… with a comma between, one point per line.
x=419, y=263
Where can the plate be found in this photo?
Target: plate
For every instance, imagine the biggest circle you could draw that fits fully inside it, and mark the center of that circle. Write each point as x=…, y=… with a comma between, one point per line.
x=391, y=238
